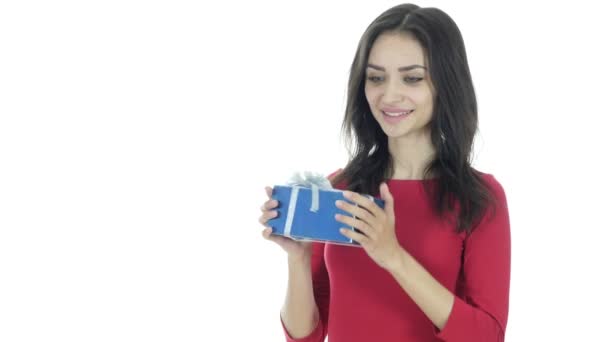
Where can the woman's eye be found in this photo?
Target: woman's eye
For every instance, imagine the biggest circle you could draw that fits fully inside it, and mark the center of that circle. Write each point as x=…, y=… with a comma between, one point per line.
x=376, y=79
x=412, y=79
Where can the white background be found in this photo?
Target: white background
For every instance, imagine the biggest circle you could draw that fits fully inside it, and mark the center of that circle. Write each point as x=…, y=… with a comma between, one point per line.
x=136, y=138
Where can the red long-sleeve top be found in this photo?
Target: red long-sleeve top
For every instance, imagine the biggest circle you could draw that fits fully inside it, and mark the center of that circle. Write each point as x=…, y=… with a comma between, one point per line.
x=359, y=301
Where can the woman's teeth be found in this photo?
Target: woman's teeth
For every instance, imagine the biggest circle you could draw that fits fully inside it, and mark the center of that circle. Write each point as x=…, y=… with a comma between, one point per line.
x=397, y=114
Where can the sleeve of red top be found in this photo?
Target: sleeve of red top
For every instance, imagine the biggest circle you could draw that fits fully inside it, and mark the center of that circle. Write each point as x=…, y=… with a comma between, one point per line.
x=320, y=283
x=481, y=313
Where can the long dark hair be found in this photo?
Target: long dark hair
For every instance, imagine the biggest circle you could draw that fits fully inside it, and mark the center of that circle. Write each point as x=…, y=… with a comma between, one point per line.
x=453, y=125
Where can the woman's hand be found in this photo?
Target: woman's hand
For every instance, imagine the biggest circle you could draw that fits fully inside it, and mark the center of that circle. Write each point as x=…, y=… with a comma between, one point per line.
x=295, y=249
x=377, y=225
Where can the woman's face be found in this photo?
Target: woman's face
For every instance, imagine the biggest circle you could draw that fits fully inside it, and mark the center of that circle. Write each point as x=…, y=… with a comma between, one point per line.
x=398, y=86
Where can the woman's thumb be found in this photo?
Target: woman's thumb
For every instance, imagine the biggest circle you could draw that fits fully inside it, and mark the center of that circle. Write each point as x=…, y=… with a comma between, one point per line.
x=388, y=199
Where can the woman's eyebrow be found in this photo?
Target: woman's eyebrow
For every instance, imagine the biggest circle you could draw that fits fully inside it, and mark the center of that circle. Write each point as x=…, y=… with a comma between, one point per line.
x=404, y=68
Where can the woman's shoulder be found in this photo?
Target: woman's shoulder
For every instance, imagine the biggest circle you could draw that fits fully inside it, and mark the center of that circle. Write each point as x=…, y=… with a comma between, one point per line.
x=494, y=185
x=333, y=175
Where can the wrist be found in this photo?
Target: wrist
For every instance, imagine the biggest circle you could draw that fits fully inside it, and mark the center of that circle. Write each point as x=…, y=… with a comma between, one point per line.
x=398, y=261
x=298, y=260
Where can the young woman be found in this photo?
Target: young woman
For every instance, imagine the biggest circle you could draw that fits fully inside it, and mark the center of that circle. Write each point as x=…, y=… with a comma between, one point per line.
x=435, y=262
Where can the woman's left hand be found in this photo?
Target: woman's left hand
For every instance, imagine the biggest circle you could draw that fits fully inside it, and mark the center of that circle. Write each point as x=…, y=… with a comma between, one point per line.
x=380, y=241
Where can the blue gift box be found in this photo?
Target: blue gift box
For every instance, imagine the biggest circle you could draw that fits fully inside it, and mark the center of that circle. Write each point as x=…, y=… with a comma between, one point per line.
x=308, y=214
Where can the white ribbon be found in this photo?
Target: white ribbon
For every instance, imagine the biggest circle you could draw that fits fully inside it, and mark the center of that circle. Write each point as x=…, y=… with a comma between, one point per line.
x=314, y=198
x=293, y=200
x=291, y=210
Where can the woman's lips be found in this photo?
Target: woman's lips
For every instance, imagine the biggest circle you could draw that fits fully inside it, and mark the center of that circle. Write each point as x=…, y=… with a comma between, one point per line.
x=393, y=119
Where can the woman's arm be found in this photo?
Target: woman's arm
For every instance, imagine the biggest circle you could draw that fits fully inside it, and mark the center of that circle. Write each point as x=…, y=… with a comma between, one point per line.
x=481, y=315
x=299, y=313
x=304, y=313
x=433, y=298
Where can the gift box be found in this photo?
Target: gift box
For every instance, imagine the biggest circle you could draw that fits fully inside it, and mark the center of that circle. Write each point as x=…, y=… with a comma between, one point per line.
x=307, y=213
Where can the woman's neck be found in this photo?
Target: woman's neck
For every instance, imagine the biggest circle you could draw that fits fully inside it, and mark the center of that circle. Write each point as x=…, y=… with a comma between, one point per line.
x=411, y=155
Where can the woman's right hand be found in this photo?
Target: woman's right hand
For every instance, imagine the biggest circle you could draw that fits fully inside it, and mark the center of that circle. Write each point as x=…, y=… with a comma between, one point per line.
x=295, y=249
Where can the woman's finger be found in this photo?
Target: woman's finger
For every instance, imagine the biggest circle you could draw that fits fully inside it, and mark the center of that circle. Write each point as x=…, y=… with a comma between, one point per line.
x=353, y=222
x=271, y=203
x=268, y=191
x=360, y=238
x=359, y=212
x=266, y=233
x=363, y=202
x=267, y=215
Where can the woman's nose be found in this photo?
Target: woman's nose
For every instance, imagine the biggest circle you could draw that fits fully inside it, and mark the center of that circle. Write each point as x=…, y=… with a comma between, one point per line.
x=393, y=92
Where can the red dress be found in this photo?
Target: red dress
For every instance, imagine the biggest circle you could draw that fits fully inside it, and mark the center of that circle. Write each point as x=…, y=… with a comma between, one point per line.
x=360, y=301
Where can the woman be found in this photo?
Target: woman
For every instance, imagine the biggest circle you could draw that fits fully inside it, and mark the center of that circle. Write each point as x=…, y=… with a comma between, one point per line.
x=435, y=262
